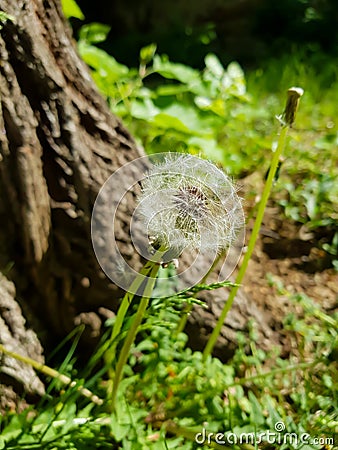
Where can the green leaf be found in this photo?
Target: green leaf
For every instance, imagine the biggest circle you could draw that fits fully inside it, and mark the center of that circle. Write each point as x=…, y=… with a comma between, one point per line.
x=171, y=89
x=147, y=53
x=71, y=9
x=166, y=121
x=257, y=416
x=216, y=106
x=93, y=33
x=99, y=60
x=14, y=428
x=145, y=109
x=120, y=430
x=189, y=116
x=214, y=65
x=327, y=380
x=236, y=73
x=209, y=148
x=233, y=81
x=175, y=71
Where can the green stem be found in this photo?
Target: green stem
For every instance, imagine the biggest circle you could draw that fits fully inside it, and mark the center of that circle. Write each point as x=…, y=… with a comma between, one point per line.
x=291, y=368
x=51, y=373
x=109, y=355
x=183, y=320
x=286, y=119
x=253, y=238
x=187, y=310
x=132, y=332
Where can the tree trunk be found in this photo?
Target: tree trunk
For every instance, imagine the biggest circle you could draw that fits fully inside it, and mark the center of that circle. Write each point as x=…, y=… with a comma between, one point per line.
x=59, y=144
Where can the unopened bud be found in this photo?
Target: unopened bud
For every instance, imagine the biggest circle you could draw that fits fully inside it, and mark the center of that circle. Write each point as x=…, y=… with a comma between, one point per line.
x=292, y=102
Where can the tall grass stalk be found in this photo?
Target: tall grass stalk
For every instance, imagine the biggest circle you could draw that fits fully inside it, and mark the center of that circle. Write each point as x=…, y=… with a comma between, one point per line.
x=50, y=372
x=286, y=119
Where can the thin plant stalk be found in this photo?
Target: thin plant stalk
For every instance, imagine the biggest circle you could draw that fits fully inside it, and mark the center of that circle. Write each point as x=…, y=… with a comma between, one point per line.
x=272, y=373
x=109, y=355
x=188, y=308
x=132, y=332
x=287, y=120
x=52, y=373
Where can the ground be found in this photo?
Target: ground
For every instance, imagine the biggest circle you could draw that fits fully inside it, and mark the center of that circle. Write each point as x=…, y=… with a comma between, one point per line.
x=284, y=263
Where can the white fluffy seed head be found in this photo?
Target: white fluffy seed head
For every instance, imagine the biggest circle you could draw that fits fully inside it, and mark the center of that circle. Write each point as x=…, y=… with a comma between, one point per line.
x=187, y=202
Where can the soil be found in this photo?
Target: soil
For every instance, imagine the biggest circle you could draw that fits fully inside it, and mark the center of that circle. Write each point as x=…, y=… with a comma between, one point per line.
x=288, y=261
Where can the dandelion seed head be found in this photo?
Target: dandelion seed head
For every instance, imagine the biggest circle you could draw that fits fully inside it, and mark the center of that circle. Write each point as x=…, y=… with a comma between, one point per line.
x=187, y=202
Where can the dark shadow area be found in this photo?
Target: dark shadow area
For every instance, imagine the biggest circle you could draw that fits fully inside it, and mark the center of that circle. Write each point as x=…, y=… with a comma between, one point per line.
x=247, y=31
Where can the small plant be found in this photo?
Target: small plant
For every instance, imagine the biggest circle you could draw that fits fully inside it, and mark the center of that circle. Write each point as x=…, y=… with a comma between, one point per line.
x=186, y=203
x=287, y=119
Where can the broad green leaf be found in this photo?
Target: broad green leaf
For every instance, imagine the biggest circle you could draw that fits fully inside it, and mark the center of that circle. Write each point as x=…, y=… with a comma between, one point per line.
x=189, y=116
x=71, y=9
x=203, y=102
x=175, y=71
x=145, y=109
x=311, y=204
x=209, y=148
x=99, y=60
x=217, y=106
x=235, y=79
x=214, y=65
x=14, y=428
x=120, y=430
x=235, y=71
x=166, y=121
x=327, y=381
x=93, y=33
x=147, y=53
x=274, y=415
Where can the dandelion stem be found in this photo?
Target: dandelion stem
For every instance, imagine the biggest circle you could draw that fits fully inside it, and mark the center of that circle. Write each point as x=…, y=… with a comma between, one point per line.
x=255, y=231
x=132, y=332
x=254, y=235
x=109, y=355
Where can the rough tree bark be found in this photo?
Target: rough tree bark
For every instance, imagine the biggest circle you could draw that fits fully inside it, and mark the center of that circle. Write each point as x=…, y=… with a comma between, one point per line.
x=59, y=143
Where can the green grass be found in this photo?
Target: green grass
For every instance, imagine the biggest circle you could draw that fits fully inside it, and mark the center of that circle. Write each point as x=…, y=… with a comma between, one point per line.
x=169, y=393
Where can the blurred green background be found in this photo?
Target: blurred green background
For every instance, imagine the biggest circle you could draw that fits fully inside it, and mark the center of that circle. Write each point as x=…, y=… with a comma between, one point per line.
x=245, y=30
x=210, y=78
